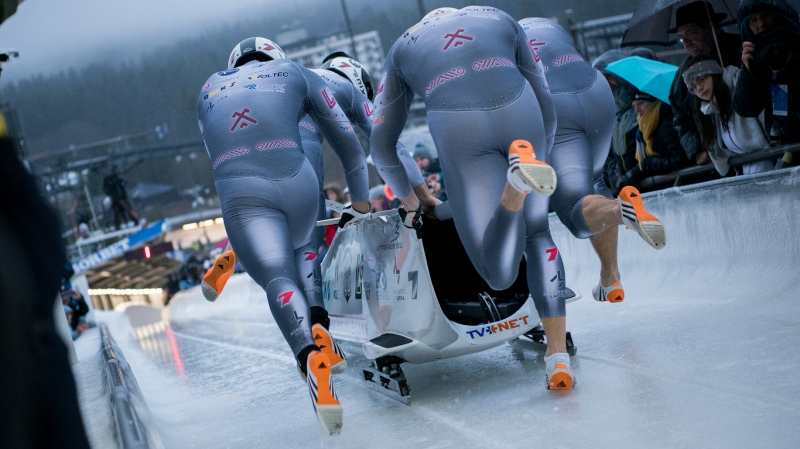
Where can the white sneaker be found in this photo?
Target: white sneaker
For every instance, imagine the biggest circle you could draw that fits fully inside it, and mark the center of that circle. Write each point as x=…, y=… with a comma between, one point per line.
x=525, y=173
x=635, y=217
x=559, y=373
x=614, y=293
x=329, y=411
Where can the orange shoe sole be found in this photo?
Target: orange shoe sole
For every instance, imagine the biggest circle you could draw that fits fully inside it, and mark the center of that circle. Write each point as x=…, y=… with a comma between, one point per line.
x=561, y=380
x=616, y=294
x=329, y=411
x=539, y=174
x=631, y=195
x=219, y=273
x=323, y=341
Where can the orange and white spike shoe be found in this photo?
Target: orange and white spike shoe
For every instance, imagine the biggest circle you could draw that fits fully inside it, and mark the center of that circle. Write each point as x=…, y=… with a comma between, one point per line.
x=526, y=173
x=614, y=293
x=327, y=345
x=216, y=276
x=330, y=413
x=635, y=217
x=559, y=377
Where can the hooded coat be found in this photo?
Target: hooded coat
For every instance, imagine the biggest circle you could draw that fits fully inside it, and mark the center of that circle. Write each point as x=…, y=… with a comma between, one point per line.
x=747, y=132
x=682, y=101
x=752, y=94
x=622, y=157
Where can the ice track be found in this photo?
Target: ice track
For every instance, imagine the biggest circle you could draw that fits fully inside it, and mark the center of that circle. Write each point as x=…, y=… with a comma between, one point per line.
x=703, y=352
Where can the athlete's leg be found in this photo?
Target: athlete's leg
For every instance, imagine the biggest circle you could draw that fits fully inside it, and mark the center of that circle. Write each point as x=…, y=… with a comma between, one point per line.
x=473, y=151
x=264, y=238
x=313, y=152
x=546, y=276
x=582, y=142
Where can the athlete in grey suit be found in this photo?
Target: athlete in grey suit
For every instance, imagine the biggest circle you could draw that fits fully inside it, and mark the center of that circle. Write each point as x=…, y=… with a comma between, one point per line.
x=585, y=108
x=311, y=140
x=249, y=118
x=482, y=89
x=359, y=110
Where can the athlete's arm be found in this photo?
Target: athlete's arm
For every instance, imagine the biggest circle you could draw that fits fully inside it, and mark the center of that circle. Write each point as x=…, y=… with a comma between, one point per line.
x=331, y=120
x=532, y=69
x=392, y=104
x=362, y=115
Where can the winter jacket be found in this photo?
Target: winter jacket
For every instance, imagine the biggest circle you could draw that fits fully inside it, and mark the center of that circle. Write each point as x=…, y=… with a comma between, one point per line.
x=748, y=132
x=668, y=146
x=752, y=94
x=682, y=100
x=622, y=157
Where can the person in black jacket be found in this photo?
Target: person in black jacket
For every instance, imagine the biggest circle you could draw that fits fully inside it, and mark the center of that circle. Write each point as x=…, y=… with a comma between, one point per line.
x=658, y=147
x=622, y=156
x=39, y=398
x=700, y=35
x=769, y=79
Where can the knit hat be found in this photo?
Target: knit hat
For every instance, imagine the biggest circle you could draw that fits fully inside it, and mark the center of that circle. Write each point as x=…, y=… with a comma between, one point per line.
x=421, y=151
x=639, y=95
x=704, y=67
x=376, y=192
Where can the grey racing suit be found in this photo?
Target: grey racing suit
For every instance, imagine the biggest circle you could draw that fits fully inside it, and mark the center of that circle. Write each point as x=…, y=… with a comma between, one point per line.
x=269, y=192
x=359, y=111
x=482, y=89
x=585, y=109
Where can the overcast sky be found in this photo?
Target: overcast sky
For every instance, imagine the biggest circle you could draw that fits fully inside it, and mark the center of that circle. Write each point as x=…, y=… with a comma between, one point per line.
x=54, y=34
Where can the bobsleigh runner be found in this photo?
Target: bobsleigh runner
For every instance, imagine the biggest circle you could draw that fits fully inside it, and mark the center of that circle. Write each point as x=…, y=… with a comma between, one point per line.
x=403, y=299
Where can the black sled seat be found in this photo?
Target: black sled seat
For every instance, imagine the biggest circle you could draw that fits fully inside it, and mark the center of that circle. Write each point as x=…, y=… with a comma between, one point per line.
x=464, y=296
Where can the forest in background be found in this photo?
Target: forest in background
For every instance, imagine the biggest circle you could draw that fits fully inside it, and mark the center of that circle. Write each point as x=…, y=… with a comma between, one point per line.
x=116, y=94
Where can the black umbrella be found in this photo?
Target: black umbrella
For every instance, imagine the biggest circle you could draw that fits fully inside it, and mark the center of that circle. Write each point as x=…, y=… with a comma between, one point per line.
x=653, y=22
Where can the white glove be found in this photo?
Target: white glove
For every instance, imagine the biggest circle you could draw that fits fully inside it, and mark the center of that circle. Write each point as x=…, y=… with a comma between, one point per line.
x=350, y=215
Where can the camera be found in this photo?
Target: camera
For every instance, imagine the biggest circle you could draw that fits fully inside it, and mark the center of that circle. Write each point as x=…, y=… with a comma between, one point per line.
x=5, y=55
x=775, y=46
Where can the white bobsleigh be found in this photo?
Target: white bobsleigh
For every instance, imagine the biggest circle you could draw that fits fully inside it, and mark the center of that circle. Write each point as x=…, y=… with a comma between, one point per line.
x=409, y=300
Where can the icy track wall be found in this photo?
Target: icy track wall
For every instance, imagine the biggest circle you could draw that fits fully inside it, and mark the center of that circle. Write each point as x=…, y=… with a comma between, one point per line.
x=242, y=298
x=736, y=237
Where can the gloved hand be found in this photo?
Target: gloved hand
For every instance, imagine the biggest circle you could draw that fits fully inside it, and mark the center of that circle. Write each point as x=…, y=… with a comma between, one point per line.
x=351, y=215
x=412, y=221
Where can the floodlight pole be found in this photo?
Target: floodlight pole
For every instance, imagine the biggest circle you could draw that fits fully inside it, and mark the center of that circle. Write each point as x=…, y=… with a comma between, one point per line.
x=349, y=30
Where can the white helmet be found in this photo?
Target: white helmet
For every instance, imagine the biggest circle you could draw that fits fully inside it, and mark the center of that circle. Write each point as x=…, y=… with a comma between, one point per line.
x=254, y=49
x=341, y=63
x=438, y=12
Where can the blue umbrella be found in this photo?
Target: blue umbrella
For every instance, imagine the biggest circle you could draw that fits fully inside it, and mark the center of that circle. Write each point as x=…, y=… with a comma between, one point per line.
x=650, y=77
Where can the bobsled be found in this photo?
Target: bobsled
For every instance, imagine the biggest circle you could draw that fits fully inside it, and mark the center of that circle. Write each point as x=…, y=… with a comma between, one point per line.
x=400, y=298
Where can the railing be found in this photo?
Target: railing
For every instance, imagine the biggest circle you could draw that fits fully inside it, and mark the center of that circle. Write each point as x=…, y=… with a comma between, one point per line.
x=697, y=173
x=130, y=414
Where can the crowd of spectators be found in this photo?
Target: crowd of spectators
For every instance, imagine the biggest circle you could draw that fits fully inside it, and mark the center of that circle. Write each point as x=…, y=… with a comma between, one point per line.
x=732, y=94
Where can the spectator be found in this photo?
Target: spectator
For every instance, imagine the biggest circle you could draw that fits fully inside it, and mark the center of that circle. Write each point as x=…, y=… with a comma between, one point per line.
x=770, y=77
x=114, y=187
x=39, y=399
x=700, y=36
x=377, y=199
x=724, y=132
x=658, y=148
x=622, y=157
x=422, y=156
x=333, y=192
x=74, y=300
x=435, y=182
x=171, y=287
